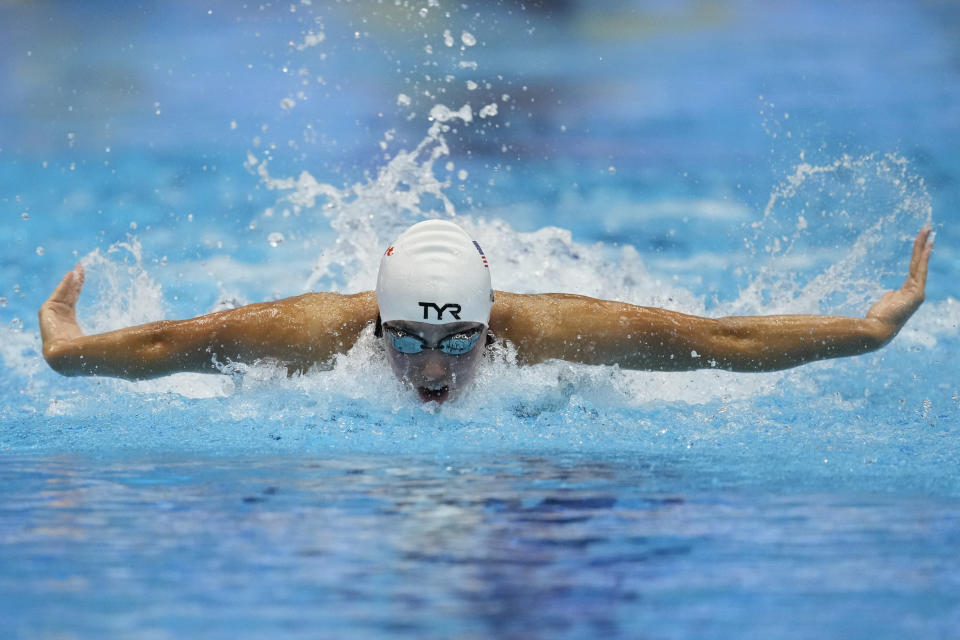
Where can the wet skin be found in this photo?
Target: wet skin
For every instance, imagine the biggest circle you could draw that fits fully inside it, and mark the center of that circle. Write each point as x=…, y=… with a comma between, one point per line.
x=433, y=373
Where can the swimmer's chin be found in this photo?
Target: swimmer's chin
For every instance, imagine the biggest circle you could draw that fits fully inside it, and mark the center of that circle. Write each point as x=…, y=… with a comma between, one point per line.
x=439, y=395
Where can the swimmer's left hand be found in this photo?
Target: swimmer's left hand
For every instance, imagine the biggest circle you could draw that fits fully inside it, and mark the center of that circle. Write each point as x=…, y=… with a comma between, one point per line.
x=896, y=307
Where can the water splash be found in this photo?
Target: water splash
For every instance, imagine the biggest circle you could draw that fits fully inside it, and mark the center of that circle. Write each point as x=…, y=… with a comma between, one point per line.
x=367, y=215
x=833, y=237
x=124, y=293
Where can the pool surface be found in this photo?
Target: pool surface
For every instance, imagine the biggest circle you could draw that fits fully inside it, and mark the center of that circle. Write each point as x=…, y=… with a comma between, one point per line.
x=712, y=158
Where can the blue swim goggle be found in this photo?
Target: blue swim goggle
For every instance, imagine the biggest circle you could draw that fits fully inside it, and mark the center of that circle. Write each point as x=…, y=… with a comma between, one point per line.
x=453, y=345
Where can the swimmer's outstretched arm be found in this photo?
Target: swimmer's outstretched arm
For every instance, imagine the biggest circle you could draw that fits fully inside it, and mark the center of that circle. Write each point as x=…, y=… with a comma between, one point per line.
x=586, y=330
x=298, y=332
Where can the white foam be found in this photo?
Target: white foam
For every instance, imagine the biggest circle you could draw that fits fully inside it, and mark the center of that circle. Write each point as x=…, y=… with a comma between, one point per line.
x=20, y=351
x=932, y=321
x=188, y=385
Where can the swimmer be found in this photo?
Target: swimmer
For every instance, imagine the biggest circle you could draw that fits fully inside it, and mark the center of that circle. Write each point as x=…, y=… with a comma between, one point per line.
x=436, y=312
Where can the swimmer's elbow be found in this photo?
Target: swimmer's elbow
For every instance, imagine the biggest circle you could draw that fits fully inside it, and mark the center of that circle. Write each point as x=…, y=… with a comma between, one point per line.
x=876, y=334
x=62, y=357
x=157, y=341
x=734, y=345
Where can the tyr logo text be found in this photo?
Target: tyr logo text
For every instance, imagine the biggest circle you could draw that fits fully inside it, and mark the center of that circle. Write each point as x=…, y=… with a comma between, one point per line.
x=454, y=310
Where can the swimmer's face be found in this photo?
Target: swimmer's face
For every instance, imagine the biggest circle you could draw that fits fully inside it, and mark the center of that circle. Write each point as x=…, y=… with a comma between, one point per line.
x=434, y=359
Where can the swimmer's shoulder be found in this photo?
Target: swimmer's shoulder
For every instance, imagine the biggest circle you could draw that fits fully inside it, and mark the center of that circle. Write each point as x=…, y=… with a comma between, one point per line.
x=533, y=322
x=545, y=326
x=522, y=317
x=519, y=311
x=319, y=325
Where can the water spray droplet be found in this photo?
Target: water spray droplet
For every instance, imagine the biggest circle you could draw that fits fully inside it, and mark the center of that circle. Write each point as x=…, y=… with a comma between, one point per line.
x=275, y=239
x=489, y=110
x=40, y=251
x=467, y=39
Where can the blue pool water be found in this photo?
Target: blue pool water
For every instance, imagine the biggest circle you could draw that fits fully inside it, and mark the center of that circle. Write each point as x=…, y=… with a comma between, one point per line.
x=716, y=159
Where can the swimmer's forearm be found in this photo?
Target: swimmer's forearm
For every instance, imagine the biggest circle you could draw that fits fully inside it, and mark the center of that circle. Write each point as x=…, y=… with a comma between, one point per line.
x=748, y=343
x=745, y=343
x=145, y=351
x=770, y=343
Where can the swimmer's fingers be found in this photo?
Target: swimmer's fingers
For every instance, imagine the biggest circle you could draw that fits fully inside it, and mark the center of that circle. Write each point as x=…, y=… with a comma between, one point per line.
x=69, y=288
x=58, y=315
x=922, y=246
x=896, y=307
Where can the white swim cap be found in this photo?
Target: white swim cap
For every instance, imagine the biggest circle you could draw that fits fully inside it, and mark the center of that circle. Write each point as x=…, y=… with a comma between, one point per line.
x=434, y=273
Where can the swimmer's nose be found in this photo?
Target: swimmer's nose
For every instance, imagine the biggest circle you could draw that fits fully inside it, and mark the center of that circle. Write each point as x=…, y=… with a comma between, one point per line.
x=434, y=367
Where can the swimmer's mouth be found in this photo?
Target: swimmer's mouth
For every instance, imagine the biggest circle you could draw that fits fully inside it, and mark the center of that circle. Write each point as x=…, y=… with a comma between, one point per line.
x=434, y=395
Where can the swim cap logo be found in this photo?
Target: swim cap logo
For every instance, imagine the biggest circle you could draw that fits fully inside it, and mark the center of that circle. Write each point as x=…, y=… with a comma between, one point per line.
x=390, y=251
x=453, y=308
